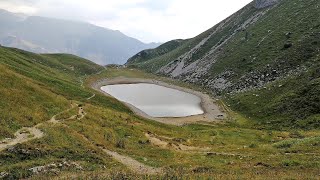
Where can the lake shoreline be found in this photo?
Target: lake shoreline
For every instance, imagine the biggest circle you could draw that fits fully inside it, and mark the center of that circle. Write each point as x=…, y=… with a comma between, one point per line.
x=212, y=112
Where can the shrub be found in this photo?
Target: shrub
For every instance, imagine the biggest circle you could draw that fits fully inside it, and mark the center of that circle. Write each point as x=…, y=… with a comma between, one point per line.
x=285, y=144
x=290, y=163
x=253, y=145
x=296, y=134
x=121, y=143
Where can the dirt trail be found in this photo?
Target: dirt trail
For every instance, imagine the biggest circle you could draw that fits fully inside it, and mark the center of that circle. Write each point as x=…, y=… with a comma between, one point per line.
x=21, y=136
x=91, y=97
x=156, y=141
x=26, y=134
x=133, y=164
x=53, y=118
x=129, y=162
x=168, y=143
x=160, y=141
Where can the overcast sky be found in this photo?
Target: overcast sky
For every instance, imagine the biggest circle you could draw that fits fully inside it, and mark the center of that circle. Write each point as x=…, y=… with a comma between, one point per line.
x=146, y=20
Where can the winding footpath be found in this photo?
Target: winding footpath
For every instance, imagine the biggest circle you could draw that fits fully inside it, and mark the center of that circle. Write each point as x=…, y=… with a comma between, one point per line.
x=156, y=141
x=133, y=164
x=26, y=134
x=30, y=133
x=23, y=135
x=91, y=97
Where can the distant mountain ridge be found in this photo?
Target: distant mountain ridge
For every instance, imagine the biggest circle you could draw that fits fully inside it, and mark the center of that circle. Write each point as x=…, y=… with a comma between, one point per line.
x=47, y=35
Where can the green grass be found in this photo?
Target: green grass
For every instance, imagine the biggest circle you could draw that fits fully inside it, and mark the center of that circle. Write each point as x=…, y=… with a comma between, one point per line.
x=148, y=54
x=265, y=42
x=285, y=104
x=44, y=90
x=35, y=87
x=273, y=85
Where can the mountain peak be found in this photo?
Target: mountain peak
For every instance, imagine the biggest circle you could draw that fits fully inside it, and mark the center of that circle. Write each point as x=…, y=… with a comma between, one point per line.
x=51, y=35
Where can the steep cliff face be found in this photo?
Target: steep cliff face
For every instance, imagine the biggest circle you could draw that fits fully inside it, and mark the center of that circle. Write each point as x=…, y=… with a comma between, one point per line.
x=265, y=3
x=255, y=48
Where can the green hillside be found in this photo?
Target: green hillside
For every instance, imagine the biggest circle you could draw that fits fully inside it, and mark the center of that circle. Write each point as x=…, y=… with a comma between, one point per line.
x=84, y=125
x=245, y=58
x=148, y=54
x=34, y=87
x=261, y=65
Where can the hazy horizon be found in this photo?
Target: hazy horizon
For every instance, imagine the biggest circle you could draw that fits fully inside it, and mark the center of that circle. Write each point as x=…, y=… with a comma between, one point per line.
x=146, y=20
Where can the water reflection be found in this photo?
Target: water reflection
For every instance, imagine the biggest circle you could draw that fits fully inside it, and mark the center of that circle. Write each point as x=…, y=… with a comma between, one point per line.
x=156, y=101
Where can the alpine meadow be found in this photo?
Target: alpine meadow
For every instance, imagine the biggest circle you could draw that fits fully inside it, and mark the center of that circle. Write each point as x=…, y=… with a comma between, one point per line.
x=253, y=78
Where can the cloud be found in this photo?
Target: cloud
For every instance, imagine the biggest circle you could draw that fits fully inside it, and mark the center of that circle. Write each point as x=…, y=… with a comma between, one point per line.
x=18, y=7
x=147, y=20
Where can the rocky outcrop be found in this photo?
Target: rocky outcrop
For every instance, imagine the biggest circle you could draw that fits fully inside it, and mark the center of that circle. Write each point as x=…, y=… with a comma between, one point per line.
x=248, y=49
x=264, y=3
x=197, y=71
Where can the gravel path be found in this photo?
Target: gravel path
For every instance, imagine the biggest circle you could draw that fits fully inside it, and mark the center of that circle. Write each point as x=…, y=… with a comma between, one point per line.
x=21, y=136
x=27, y=134
x=156, y=141
x=133, y=164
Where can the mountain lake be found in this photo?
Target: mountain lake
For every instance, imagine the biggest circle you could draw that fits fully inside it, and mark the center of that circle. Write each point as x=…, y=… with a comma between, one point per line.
x=156, y=101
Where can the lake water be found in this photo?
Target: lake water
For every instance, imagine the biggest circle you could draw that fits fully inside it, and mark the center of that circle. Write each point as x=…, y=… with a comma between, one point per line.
x=155, y=100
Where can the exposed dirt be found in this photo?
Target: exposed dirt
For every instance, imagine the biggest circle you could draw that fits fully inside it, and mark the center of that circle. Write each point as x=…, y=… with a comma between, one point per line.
x=169, y=143
x=55, y=121
x=27, y=134
x=133, y=164
x=212, y=112
x=160, y=141
x=21, y=136
x=91, y=97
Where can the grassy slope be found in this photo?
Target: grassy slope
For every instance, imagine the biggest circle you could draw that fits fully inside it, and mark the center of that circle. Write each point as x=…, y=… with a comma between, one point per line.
x=292, y=102
x=258, y=51
x=154, y=64
x=285, y=104
x=148, y=54
x=76, y=64
x=45, y=85
x=265, y=40
x=35, y=87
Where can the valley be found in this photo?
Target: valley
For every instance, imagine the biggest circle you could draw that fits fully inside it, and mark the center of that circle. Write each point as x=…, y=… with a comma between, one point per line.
x=239, y=101
x=212, y=112
x=107, y=137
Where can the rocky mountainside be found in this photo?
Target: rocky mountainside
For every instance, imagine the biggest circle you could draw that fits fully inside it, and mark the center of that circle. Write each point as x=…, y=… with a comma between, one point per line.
x=264, y=43
x=46, y=35
x=265, y=3
x=148, y=54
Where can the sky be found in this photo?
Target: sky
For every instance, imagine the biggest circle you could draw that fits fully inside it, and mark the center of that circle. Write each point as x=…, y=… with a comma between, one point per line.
x=146, y=20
